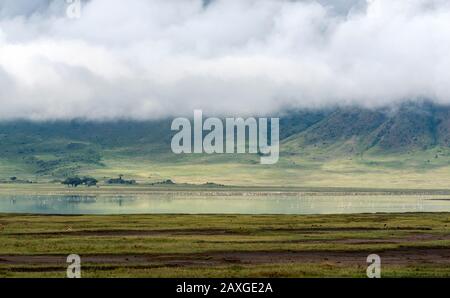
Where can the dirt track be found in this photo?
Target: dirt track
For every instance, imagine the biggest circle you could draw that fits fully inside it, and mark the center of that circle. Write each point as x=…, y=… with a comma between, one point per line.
x=123, y=232
x=408, y=256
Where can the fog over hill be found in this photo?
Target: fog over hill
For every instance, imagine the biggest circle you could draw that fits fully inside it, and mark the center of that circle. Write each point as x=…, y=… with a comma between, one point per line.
x=150, y=59
x=410, y=126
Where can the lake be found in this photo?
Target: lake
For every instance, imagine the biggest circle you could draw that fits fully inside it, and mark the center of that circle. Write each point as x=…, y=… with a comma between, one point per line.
x=222, y=204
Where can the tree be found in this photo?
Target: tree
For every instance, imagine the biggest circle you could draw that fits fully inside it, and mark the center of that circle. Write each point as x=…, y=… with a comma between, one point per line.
x=73, y=181
x=120, y=180
x=89, y=181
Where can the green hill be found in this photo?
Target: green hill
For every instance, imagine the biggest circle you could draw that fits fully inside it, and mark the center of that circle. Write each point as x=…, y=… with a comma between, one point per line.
x=405, y=146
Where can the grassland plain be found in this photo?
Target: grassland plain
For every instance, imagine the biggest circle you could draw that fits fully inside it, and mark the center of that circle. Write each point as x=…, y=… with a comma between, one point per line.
x=420, y=170
x=410, y=245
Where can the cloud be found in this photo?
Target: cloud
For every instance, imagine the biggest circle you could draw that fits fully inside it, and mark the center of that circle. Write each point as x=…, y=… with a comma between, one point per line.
x=146, y=59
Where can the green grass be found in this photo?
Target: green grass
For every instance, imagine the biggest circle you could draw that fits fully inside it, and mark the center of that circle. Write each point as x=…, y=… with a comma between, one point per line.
x=339, y=164
x=146, y=157
x=305, y=169
x=344, y=147
x=211, y=245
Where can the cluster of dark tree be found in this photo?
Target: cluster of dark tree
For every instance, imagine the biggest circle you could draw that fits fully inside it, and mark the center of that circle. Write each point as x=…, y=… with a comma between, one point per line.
x=14, y=179
x=213, y=184
x=75, y=181
x=120, y=180
x=165, y=182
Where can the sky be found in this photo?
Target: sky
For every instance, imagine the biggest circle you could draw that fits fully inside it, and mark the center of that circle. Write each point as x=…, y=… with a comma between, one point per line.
x=147, y=59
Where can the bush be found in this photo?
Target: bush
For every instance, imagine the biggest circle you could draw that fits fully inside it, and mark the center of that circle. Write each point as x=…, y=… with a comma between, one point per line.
x=75, y=181
x=72, y=181
x=120, y=180
x=89, y=181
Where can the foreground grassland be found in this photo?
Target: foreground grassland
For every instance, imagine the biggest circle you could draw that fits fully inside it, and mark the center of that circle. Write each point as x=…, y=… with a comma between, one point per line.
x=410, y=245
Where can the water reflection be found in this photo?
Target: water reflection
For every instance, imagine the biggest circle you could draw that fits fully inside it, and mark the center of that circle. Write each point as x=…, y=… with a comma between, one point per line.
x=239, y=204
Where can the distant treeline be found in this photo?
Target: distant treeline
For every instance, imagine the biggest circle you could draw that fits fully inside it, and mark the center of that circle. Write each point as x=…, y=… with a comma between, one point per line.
x=14, y=179
x=120, y=180
x=75, y=181
x=89, y=181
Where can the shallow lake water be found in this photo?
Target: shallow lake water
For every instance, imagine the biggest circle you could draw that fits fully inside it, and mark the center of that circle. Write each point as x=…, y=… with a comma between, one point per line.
x=222, y=204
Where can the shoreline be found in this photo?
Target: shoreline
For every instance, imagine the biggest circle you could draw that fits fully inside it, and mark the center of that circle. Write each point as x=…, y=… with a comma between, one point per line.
x=188, y=189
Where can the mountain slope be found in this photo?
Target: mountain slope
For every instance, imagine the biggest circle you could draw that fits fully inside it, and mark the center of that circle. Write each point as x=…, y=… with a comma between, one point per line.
x=406, y=128
x=345, y=143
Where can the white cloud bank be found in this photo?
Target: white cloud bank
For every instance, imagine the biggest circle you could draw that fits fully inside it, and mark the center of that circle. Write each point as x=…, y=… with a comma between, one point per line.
x=145, y=59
